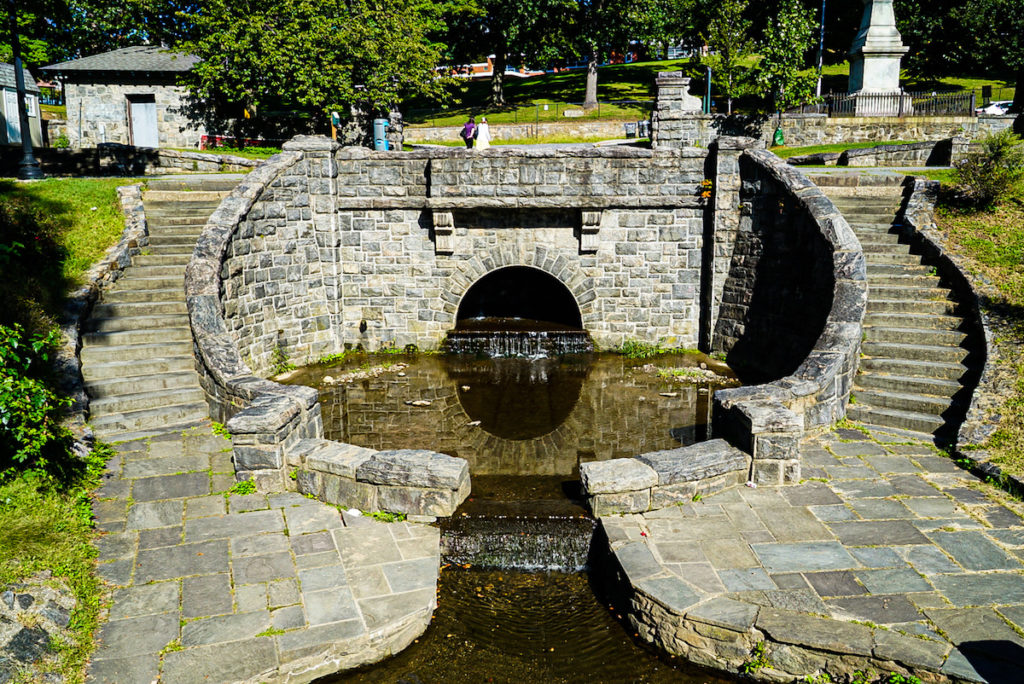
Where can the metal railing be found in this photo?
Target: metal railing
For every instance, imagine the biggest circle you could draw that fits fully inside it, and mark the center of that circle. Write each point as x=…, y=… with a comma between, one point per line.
x=902, y=104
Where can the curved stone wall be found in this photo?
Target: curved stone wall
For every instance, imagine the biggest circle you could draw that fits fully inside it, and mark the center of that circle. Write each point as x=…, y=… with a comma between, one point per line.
x=810, y=337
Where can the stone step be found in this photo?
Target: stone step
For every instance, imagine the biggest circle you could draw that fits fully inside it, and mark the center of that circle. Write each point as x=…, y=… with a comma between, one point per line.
x=879, y=238
x=154, y=271
x=934, y=306
x=904, y=401
x=123, y=295
x=177, y=428
x=137, y=401
x=136, y=336
x=867, y=228
x=165, y=222
x=891, y=280
x=132, y=309
x=165, y=239
x=102, y=388
x=892, y=259
x=158, y=197
x=222, y=183
x=194, y=230
x=919, y=294
x=869, y=246
x=177, y=250
x=913, y=320
x=161, y=282
x=861, y=216
x=926, y=336
x=150, y=418
x=898, y=269
x=903, y=420
x=118, y=323
x=122, y=369
x=873, y=203
x=179, y=209
x=162, y=260
x=913, y=352
x=942, y=370
x=137, y=352
x=856, y=180
x=938, y=387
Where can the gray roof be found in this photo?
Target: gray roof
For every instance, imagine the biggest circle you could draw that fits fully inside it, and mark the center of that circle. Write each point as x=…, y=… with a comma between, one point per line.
x=141, y=58
x=7, y=78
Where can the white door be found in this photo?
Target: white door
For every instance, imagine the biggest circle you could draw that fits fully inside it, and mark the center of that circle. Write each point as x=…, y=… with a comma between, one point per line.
x=142, y=113
x=12, y=117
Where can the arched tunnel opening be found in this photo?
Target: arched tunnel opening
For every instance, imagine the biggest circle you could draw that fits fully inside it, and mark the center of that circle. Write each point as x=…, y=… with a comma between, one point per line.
x=519, y=298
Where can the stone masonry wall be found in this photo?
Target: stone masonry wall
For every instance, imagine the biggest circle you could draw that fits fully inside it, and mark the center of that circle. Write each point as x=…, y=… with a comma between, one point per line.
x=92, y=105
x=373, y=249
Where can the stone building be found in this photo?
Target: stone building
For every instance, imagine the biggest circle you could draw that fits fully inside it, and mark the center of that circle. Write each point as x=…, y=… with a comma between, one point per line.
x=10, y=123
x=129, y=96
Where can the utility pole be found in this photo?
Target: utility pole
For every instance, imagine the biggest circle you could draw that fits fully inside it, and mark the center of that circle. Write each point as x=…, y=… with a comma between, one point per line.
x=28, y=167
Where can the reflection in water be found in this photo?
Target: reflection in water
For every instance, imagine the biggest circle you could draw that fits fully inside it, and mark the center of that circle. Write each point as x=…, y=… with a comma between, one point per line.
x=513, y=416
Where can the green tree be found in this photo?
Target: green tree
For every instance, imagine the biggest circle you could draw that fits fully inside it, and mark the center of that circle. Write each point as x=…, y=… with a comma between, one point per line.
x=600, y=26
x=728, y=34
x=779, y=74
x=672, y=22
x=315, y=56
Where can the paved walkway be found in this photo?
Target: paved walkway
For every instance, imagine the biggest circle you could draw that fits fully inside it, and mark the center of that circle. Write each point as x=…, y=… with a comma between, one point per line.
x=212, y=587
x=882, y=532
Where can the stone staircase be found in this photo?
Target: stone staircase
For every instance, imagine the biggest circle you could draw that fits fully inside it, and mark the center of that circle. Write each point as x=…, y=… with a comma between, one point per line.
x=136, y=346
x=913, y=354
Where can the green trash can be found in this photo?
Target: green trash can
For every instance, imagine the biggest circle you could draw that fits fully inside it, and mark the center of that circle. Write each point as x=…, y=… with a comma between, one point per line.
x=778, y=138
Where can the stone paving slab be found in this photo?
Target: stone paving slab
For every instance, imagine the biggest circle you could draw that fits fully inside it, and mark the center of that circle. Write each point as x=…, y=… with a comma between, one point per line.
x=894, y=555
x=208, y=586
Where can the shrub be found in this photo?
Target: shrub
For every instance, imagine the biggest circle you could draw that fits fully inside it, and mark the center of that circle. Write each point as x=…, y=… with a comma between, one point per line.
x=30, y=430
x=62, y=142
x=991, y=175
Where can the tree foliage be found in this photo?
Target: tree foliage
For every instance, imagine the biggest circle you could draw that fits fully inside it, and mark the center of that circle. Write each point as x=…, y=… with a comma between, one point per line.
x=785, y=45
x=728, y=35
x=316, y=56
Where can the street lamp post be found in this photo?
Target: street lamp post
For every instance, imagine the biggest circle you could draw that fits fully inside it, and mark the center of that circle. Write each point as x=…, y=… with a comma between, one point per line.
x=821, y=46
x=28, y=167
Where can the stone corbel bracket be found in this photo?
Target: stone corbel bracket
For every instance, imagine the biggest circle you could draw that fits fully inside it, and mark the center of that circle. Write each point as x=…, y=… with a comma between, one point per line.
x=444, y=227
x=590, y=225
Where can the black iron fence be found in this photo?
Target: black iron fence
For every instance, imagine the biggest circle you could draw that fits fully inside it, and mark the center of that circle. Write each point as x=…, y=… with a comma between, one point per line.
x=893, y=104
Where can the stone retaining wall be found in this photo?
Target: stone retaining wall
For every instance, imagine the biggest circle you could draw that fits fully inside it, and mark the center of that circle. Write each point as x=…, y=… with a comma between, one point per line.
x=987, y=384
x=799, y=325
x=113, y=159
x=78, y=306
x=766, y=644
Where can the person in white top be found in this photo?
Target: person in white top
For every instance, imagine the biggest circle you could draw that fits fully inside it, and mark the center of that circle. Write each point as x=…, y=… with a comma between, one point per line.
x=483, y=134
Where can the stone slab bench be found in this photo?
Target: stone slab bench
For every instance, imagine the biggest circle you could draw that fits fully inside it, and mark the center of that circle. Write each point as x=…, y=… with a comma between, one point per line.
x=416, y=482
x=660, y=479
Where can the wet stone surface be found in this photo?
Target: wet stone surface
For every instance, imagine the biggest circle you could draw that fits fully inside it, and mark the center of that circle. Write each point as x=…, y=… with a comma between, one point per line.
x=210, y=586
x=892, y=553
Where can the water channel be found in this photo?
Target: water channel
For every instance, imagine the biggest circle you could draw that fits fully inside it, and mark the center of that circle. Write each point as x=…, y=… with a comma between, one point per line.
x=518, y=599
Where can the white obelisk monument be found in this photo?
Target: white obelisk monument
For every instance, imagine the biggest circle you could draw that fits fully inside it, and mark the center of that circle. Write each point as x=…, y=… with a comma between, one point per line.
x=875, y=62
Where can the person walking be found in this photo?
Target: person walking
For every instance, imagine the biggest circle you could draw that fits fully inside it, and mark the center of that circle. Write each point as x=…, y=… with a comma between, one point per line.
x=469, y=132
x=483, y=134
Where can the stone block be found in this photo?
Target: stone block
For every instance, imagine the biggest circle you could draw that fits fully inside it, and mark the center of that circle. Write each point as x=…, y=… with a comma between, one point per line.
x=342, y=491
x=338, y=458
x=617, y=475
x=620, y=502
x=776, y=446
x=695, y=462
x=419, y=500
x=664, y=496
x=416, y=468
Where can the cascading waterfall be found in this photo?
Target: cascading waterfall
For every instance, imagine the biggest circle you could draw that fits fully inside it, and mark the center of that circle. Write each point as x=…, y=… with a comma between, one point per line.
x=552, y=543
x=524, y=343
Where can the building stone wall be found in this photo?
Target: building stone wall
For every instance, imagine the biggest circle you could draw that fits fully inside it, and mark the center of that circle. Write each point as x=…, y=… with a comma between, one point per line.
x=98, y=113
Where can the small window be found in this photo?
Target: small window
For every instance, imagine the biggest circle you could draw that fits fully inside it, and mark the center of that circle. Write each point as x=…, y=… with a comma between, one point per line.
x=31, y=105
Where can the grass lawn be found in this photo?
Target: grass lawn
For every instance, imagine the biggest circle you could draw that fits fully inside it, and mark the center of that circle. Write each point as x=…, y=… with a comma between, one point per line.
x=993, y=244
x=634, y=81
x=52, y=231
x=786, y=152
x=45, y=526
x=84, y=218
